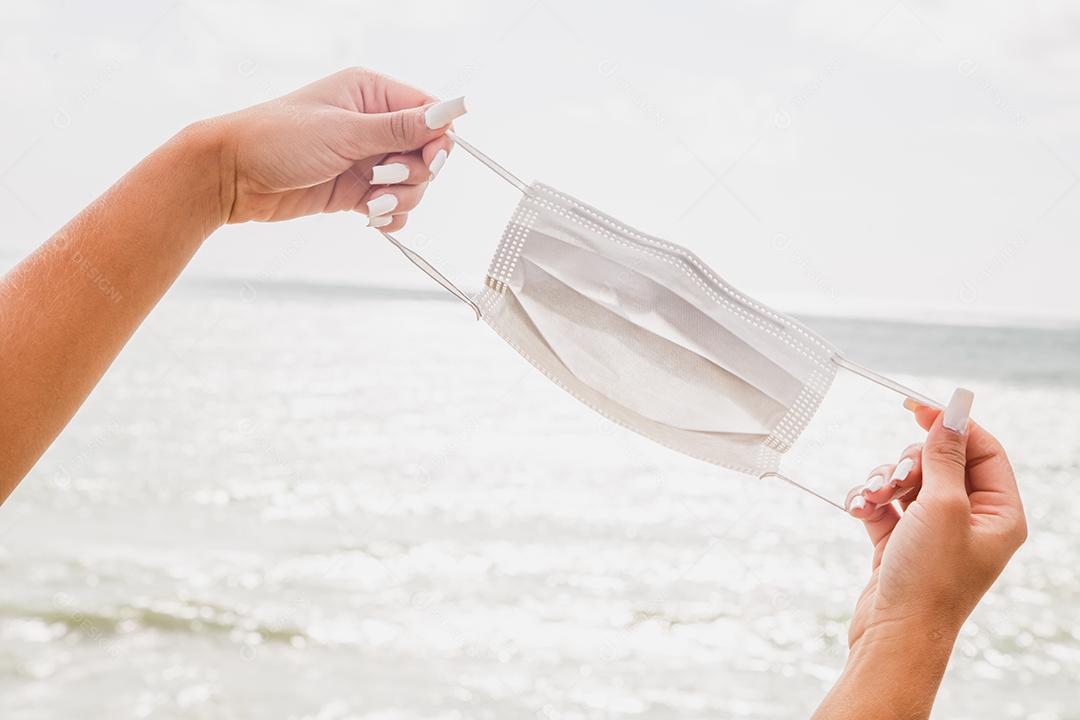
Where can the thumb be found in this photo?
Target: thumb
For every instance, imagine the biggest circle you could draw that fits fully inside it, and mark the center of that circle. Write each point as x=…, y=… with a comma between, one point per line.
x=944, y=458
x=403, y=130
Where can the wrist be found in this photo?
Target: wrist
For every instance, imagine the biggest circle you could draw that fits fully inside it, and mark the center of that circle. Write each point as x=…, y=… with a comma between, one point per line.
x=899, y=663
x=915, y=635
x=207, y=149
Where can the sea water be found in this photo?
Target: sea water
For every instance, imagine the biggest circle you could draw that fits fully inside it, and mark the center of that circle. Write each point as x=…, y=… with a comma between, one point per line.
x=306, y=502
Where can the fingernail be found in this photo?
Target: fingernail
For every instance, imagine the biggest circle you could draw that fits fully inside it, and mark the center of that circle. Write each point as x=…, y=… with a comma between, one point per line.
x=957, y=411
x=436, y=163
x=875, y=483
x=382, y=204
x=389, y=174
x=857, y=503
x=910, y=404
x=903, y=468
x=443, y=113
x=378, y=221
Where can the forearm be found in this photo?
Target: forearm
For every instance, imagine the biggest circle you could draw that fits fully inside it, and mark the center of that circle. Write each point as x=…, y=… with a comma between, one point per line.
x=893, y=673
x=68, y=309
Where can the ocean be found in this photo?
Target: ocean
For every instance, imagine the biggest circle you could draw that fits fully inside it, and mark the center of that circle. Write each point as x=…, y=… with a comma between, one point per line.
x=299, y=502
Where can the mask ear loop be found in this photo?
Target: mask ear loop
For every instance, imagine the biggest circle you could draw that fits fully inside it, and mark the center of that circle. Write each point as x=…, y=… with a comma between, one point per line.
x=524, y=188
x=819, y=496
x=793, y=483
x=427, y=268
x=884, y=382
x=495, y=167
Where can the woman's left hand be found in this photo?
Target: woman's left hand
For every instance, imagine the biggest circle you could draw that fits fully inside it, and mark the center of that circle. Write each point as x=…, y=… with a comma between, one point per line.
x=355, y=141
x=960, y=520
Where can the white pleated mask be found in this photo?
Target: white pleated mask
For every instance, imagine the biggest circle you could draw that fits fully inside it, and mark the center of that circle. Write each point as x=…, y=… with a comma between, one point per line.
x=646, y=334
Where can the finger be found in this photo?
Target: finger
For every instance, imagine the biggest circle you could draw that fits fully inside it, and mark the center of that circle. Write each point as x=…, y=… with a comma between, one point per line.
x=435, y=154
x=879, y=526
x=879, y=521
x=944, y=454
x=388, y=223
x=856, y=504
x=392, y=200
x=906, y=478
x=400, y=169
x=877, y=489
x=399, y=130
x=924, y=414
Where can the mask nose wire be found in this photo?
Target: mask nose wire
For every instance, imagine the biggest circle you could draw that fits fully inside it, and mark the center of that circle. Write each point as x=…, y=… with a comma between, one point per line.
x=418, y=260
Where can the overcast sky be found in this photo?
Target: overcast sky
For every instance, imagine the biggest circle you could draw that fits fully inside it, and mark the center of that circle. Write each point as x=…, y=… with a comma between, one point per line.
x=907, y=158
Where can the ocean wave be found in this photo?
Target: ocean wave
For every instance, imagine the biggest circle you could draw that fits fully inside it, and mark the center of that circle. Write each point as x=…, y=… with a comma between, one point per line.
x=168, y=617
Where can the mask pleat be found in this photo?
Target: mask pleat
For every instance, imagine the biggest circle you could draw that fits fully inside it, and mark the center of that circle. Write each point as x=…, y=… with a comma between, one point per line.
x=777, y=337
x=645, y=333
x=739, y=451
x=636, y=367
x=642, y=301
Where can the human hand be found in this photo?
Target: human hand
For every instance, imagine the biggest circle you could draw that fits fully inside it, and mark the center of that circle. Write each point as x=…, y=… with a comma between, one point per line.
x=961, y=521
x=355, y=140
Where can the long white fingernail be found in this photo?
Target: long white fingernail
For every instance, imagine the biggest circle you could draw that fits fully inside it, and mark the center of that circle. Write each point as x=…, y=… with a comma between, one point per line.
x=903, y=468
x=382, y=204
x=389, y=174
x=857, y=503
x=443, y=113
x=378, y=221
x=436, y=163
x=875, y=483
x=956, y=413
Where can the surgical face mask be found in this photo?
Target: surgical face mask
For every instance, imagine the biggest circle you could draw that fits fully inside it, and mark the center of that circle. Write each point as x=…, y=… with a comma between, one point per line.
x=646, y=334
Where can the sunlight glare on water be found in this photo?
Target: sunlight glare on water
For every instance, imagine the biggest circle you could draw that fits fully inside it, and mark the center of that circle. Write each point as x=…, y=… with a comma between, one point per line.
x=379, y=510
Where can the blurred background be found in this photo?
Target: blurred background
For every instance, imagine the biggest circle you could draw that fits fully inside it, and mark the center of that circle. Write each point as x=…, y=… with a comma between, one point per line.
x=313, y=487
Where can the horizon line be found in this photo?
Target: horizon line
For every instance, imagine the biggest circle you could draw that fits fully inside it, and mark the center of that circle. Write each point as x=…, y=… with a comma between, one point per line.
x=941, y=316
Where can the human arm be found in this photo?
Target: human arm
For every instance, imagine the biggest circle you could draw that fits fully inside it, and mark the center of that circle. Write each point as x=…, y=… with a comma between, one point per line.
x=959, y=521
x=67, y=310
